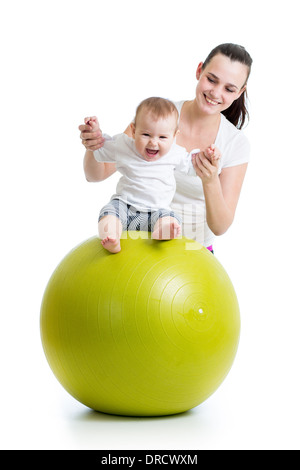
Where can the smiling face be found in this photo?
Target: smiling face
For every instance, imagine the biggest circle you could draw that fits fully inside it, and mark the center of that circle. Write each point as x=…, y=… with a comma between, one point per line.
x=153, y=136
x=220, y=83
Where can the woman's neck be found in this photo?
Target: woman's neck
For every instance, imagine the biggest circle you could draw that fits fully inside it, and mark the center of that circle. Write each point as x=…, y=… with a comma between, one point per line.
x=200, y=120
x=197, y=130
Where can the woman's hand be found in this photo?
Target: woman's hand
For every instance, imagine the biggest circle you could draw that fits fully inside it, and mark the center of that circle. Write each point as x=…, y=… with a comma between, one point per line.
x=91, y=134
x=206, y=164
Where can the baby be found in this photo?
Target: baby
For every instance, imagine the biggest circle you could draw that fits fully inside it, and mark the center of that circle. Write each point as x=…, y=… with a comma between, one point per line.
x=147, y=163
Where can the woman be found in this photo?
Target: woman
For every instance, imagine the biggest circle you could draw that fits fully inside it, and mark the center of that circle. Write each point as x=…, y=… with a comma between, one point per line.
x=206, y=203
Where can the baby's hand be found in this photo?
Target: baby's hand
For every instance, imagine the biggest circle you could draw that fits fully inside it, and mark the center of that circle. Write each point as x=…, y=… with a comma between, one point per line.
x=93, y=122
x=212, y=153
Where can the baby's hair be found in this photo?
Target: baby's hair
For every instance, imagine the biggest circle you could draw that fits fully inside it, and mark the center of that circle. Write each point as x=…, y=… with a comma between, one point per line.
x=158, y=107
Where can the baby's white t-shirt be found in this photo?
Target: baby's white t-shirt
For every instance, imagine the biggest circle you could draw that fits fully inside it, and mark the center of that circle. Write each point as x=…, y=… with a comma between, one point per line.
x=145, y=185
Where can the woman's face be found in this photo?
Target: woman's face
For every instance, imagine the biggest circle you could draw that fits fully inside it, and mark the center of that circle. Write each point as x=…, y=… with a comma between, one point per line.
x=220, y=83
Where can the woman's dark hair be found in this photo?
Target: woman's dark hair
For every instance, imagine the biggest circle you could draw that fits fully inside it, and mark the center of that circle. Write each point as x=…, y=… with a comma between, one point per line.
x=237, y=112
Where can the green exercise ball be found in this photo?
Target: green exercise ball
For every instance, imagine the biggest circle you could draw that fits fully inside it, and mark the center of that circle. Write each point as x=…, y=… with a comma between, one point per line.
x=150, y=331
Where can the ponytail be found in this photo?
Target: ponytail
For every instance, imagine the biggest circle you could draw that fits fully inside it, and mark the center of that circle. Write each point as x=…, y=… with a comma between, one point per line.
x=238, y=112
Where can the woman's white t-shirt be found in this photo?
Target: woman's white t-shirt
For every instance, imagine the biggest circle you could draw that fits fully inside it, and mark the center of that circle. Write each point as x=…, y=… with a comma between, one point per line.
x=189, y=201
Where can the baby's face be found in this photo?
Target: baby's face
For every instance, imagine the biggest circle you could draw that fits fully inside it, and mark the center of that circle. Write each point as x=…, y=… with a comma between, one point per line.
x=154, y=137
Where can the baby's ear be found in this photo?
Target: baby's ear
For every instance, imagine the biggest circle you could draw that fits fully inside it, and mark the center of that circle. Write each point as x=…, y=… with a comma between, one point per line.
x=132, y=127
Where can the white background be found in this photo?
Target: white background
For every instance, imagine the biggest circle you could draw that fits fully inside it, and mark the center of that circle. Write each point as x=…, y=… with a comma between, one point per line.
x=63, y=60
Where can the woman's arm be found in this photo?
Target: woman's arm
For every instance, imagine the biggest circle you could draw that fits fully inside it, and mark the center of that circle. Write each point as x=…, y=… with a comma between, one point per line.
x=221, y=192
x=222, y=198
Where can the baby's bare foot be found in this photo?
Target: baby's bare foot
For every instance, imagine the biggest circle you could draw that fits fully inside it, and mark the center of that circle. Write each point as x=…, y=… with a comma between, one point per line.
x=167, y=231
x=112, y=245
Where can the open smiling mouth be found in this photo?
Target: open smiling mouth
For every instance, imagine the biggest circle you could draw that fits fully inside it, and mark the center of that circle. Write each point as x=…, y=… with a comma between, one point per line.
x=151, y=153
x=211, y=102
